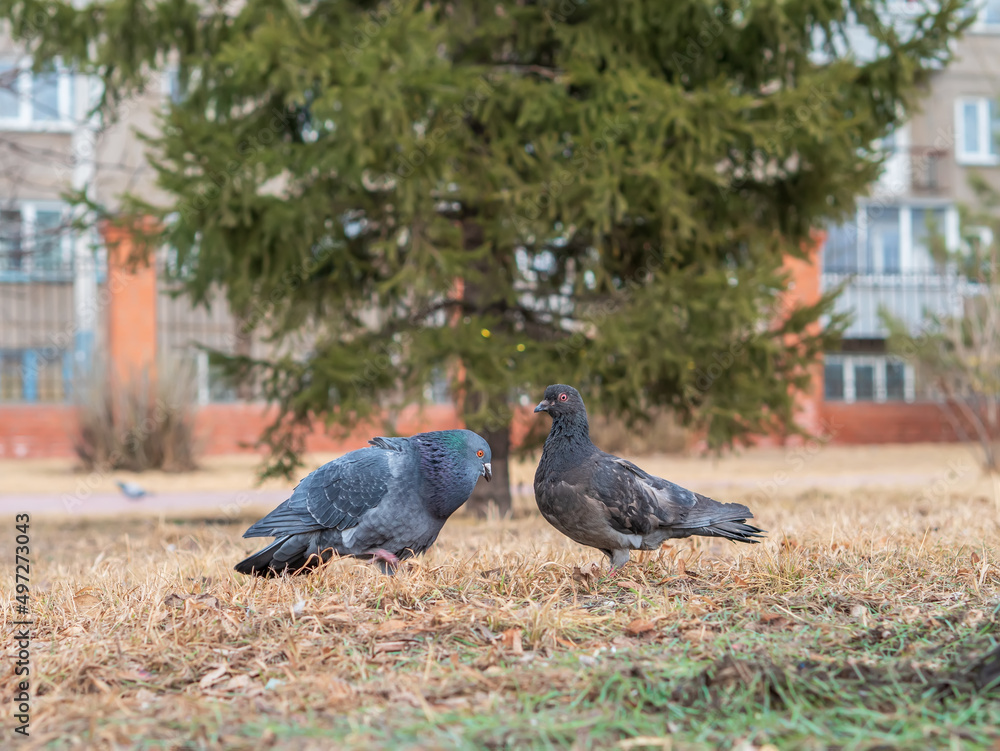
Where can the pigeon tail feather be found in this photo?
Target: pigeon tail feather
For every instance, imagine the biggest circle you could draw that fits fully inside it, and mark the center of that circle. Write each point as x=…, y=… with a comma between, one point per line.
x=737, y=531
x=279, y=557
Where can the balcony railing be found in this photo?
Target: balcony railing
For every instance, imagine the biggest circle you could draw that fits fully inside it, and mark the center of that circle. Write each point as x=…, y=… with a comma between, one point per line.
x=918, y=171
x=909, y=297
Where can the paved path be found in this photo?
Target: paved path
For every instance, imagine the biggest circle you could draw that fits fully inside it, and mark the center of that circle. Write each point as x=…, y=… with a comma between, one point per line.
x=232, y=504
x=213, y=504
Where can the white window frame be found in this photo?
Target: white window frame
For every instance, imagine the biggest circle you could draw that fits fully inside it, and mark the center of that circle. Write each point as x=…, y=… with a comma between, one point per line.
x=983, y=156
x=23, y=120
x=981, y=25
x=29, y=225
x=879, y=362
x=907, y=260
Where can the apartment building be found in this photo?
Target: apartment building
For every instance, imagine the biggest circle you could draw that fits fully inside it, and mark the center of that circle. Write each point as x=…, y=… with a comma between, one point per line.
x=885, y=253
x=54, y=278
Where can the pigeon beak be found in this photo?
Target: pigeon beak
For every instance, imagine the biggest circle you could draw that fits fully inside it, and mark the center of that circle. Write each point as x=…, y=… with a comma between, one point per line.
x=488, y=471
x=543, y=406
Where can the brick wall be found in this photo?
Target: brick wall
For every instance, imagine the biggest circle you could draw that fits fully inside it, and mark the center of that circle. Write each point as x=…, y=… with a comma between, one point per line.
x=44, y=431
x=892, y=422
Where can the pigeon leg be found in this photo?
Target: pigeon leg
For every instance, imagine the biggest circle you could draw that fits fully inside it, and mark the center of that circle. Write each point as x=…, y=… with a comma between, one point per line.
x=384, y=555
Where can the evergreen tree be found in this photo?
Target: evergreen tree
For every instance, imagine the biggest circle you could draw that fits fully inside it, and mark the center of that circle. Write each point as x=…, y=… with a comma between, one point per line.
x=515, y=193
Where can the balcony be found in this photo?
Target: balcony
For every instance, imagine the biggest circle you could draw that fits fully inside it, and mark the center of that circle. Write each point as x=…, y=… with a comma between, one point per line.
x=918, y=171
x=906, y=296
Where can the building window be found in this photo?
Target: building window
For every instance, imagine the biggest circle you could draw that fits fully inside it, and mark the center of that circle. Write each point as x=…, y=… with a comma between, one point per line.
x=895, y=381
x=35, y=101
x=833, y=381
x=864, y=382
x=35, y=375
x=882, y=252
x=928, y=233
x=991, y=13
x=988, y=19
x=35, y=239
x=977, y=126
x=890, y=240
x=840, y=253
x=867, y=378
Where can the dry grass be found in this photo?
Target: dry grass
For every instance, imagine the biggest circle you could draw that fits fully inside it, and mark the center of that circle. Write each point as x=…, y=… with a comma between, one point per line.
x=853, y=626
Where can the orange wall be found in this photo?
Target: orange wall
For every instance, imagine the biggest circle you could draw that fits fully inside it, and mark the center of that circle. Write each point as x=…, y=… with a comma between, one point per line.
x=43, y=431
x=39, y=431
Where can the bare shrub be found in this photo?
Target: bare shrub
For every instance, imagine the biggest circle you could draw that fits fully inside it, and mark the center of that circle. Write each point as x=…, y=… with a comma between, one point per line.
x=146, y=423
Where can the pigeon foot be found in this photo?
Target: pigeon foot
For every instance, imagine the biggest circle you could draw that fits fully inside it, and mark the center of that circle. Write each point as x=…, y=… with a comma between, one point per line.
x=385, y=555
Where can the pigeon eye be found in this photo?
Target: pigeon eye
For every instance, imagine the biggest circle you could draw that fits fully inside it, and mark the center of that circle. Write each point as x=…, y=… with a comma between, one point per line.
x=563, y=397
x=479, y=453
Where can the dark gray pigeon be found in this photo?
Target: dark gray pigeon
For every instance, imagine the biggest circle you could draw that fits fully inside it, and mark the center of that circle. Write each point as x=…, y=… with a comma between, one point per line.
x=600, y=500
x=385, y=502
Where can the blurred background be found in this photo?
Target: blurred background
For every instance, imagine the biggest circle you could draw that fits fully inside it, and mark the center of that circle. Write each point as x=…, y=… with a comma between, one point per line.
x=270, y=231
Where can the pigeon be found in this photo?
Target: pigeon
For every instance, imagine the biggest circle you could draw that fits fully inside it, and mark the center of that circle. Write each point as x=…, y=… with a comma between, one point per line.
x=608, y=503
x=385, y=503
x=131, y=490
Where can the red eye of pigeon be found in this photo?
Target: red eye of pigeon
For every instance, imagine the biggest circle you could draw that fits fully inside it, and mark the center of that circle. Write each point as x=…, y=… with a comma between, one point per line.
x=563, y=397
x=479, y=453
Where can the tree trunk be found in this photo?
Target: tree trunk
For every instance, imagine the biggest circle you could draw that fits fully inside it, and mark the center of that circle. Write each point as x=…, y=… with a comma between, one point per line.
x=496, y=493
x=243, y=347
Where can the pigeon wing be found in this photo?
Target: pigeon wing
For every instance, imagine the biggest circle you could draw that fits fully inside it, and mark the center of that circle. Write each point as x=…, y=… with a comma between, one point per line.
x=335, y=496
x=679, y=507
x=630, y=507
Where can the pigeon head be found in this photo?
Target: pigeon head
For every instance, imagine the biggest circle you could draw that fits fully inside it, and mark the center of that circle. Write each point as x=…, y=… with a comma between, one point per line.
x=561, y=400
x=452, y=463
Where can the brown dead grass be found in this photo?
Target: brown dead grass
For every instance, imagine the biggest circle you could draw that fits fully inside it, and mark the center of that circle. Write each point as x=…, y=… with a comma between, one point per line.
x=144, y=630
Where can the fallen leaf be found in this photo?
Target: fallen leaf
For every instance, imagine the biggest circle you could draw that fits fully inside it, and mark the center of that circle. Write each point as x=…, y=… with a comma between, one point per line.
x=628, y=584
x=205, y=601
x=974, y=617
x=647, y=741
x=511, y=639
x=174, y=600
x=137, y=676
x=698, y=634
x=740, y=581
x=587, y=573
x=389, y=646
x=565, y=643
x=85, y=601
x=975, y=558
x=391, y=625
x=213, y=677
x=237, y=683
x=639, y=626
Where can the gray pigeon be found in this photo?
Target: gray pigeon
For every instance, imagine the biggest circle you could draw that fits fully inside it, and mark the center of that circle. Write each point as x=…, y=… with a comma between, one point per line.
x=600, y=500
x=385, y=502
x=131, y=490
